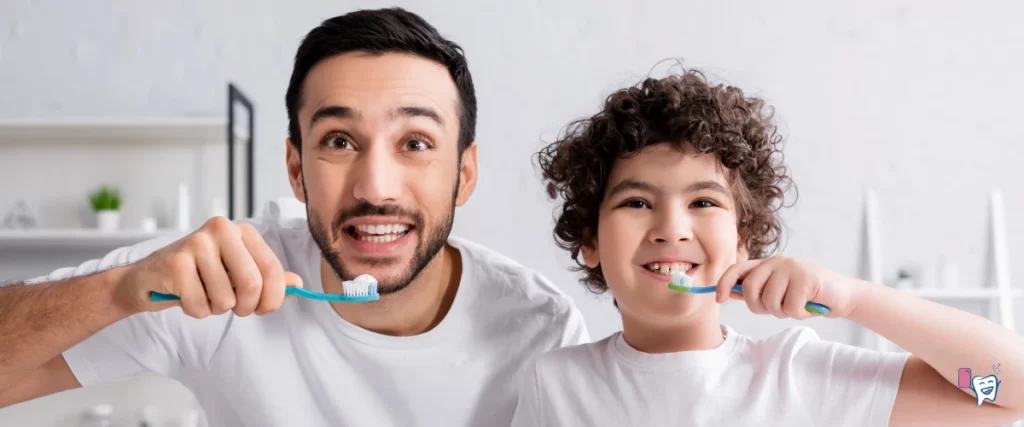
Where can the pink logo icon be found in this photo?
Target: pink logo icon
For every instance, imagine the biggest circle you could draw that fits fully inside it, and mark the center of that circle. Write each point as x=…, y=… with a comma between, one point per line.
x=964, y=378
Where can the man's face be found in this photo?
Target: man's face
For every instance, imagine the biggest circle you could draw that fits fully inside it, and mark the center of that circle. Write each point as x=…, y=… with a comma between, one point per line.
x=379, y=169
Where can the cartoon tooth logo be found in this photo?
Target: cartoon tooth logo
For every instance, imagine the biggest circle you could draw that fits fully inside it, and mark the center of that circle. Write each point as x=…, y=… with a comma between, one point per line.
x=985, y=388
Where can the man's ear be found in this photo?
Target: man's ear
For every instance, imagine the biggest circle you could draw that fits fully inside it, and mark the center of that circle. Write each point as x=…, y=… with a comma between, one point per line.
x=293, y=160
x=591, y=256
x=467, y=175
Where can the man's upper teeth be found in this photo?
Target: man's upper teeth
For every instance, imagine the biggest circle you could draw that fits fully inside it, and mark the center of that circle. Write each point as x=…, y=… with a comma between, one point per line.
x=383, y=228
x=668, y=268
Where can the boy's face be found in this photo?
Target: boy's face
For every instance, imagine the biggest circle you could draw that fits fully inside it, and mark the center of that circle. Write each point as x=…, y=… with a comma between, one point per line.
x=665, y=207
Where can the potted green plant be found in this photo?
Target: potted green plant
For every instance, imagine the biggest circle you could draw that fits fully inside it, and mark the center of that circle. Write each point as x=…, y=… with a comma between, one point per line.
x=106, y=202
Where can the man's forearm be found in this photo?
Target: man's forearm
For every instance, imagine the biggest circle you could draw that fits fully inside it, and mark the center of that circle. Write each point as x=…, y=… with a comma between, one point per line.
x=38, y=322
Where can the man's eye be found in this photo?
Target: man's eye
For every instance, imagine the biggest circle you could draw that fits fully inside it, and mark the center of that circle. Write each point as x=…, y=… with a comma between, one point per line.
x=338, y=142
x=417, y=145
x=416, y=142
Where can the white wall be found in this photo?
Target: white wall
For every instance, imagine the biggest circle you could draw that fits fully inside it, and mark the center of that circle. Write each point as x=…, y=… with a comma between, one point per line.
x=918, y=100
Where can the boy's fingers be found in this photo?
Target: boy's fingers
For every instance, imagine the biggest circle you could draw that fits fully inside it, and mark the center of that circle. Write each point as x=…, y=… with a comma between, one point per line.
x=774, y=291
x=731, y=277
x=753, y=285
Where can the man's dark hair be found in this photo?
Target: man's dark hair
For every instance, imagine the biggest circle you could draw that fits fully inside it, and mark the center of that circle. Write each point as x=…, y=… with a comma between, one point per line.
x=378, y=32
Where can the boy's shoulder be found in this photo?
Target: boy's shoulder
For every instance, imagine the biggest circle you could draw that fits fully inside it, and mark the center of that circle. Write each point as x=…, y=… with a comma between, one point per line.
x=787, y=341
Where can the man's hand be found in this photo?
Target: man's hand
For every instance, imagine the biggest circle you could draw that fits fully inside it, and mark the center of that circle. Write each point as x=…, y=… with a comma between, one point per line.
x=782, y=286
x=221, y=266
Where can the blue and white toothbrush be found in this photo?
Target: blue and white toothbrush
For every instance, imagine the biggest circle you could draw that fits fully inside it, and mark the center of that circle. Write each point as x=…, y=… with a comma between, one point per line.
x=683, y=283
x=360, y=289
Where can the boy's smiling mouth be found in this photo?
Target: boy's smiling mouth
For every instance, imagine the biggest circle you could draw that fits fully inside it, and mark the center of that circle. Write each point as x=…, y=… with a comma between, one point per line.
x=666, y=268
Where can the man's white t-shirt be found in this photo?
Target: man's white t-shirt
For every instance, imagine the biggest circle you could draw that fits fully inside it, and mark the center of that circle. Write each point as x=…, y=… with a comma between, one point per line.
x=304, y=365
x=789, y=379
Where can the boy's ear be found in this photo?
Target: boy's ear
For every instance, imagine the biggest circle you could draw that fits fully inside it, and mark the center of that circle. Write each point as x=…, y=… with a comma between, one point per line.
x=742, y=254
x=590, y=254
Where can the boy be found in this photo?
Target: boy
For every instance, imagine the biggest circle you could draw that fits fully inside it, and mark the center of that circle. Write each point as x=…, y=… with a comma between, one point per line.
x=677, y=174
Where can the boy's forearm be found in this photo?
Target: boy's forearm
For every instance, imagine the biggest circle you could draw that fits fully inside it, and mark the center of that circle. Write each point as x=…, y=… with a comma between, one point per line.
x=39, y=322
x=944, y=337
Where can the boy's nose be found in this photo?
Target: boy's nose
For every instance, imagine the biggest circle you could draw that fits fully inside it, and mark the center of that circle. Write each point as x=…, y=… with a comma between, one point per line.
x=378, y=177
x=673, y=226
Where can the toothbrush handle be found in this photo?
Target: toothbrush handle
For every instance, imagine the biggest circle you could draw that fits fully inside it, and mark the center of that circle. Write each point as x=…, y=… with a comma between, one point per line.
x=812, y=307
x=159, y=297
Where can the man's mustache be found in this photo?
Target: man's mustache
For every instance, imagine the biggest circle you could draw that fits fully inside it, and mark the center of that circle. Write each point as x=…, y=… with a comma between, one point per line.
x=369, y=209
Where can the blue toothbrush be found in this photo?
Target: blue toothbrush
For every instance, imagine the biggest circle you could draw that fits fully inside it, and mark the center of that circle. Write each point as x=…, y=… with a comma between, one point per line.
x=360, y=289
x=683, y=283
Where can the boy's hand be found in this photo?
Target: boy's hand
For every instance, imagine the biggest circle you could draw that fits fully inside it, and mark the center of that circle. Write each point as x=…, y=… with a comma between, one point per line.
x=782, y=286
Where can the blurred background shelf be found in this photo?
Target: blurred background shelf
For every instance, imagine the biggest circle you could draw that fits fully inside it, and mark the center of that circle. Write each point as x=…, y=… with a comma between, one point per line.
x=75, y=238
x=155, y=130
x=962, y=293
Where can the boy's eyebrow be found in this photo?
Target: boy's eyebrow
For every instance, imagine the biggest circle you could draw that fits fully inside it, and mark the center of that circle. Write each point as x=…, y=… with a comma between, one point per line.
x=706, y=185
x=631, y=184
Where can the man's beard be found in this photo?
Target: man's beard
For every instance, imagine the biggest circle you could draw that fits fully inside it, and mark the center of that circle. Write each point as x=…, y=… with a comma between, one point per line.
x=428, y=242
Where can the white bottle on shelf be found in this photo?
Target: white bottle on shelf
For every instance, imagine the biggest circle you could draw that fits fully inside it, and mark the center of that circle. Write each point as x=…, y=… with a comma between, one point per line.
x=948, y=276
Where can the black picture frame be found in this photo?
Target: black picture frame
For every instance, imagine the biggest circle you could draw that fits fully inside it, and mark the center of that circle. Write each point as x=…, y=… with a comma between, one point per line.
x=236, y=98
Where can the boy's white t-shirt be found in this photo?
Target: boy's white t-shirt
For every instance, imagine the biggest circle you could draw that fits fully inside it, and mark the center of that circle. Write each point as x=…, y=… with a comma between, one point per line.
x=789, y=379
x=304, y=365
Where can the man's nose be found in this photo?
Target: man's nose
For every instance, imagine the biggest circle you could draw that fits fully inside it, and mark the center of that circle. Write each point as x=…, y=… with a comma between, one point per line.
x=378, y=176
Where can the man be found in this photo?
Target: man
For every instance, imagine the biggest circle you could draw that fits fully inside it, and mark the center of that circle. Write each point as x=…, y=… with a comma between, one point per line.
x=381, y=149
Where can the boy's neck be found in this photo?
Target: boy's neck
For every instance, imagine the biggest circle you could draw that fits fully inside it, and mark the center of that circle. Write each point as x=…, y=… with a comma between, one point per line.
x=703, y=333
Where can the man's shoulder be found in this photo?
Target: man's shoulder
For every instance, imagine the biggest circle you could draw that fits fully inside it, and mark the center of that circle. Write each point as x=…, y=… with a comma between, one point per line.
x=584, y=357
x=285, y=214
x=509, y=289
x=509, y=278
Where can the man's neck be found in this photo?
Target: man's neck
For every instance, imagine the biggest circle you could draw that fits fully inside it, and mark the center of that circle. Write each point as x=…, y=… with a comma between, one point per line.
x=702, y=333
x=412, y=311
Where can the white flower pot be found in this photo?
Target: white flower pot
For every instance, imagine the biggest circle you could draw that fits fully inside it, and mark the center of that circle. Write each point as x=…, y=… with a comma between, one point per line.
x=108, y=220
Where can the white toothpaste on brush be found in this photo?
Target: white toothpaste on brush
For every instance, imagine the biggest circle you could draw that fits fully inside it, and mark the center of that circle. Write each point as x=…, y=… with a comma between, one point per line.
x=362, y=285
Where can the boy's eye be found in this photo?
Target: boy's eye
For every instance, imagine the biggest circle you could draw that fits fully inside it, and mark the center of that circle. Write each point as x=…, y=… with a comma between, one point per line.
x=636, y=204
x=704, y=203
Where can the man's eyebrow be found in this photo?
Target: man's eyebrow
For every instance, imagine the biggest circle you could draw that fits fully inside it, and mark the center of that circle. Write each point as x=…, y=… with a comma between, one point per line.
x=414, y=111
x=343, y=112
x=335, y=111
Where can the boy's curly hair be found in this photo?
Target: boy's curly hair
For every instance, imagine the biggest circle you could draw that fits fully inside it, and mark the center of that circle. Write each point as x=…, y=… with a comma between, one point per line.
x=684, y=110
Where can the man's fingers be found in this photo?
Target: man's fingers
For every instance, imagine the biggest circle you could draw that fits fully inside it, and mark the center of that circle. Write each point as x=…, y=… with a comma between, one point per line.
x=190, y=291
x=271, y=271
x=245, y=275
x=292, y=279
x=215, y=280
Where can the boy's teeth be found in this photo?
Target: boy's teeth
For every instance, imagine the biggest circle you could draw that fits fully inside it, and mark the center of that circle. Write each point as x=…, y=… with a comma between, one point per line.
x=669, y=268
